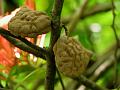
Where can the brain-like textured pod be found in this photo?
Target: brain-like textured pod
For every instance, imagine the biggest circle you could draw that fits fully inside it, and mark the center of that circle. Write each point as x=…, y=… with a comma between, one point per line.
x=29, y=23
x=71, y=57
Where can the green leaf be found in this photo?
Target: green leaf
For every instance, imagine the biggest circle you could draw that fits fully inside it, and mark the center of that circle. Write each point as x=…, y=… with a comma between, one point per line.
x=3, y=83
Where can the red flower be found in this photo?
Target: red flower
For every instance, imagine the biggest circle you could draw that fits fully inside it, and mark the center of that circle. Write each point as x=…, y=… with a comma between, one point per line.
x=7, y=56
x=30, y=4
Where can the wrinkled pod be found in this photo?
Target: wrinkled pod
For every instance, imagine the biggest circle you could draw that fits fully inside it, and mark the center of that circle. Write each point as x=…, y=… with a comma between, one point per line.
x=29, y=23
x=71, y=57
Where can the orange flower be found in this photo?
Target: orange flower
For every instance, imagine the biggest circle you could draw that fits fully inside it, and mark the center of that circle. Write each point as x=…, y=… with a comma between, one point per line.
x=7, y=56
x=30, y=4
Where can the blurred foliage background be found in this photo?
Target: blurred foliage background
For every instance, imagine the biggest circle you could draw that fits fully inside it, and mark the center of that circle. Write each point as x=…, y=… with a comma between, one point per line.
x=93, y=31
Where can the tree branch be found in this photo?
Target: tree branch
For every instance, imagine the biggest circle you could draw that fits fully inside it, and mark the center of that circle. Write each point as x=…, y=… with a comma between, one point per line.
x=89, y=83
x=117, y=43
x=55, y=34
x=106, y=66
x=23, y=44
x=76, y=17
x=95, y=10
x=100, y=60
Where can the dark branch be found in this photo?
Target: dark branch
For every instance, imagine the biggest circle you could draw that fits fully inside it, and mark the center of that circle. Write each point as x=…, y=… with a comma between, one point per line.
x=23, y=44
x=61, y=81
x=89, y=83
x=55, y=34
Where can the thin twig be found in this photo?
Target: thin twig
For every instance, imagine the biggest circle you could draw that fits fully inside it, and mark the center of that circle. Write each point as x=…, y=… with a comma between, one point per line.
x=117, y=42
x=60, y=78
x=77, y=16
x=100, y=8
x=66, y=30
x=102, y=68
x=26, y=77
x=90, y=83
x=38, y=83
x=100, y=60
